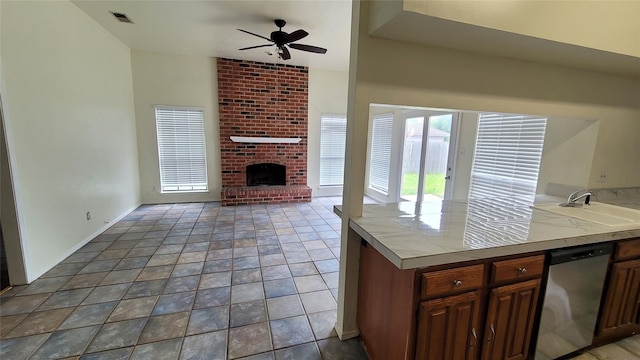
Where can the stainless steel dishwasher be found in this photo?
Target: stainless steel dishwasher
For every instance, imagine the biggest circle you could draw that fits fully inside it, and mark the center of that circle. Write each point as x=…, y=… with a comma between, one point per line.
x=572, y=299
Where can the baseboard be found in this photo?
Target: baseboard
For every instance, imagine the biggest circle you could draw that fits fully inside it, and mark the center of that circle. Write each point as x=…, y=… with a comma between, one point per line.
x=31, y=278
x=346, y=334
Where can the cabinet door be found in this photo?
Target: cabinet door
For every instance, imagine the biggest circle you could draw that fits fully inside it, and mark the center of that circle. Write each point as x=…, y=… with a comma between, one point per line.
x=620, y=309
x=510, y=317
x=448, y=327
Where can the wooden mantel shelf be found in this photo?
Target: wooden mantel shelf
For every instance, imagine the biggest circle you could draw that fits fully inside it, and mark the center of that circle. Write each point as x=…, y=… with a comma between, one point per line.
x=264, y=140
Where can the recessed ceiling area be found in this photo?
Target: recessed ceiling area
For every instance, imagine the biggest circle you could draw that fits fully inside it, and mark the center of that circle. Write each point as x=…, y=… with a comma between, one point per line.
x=209, y=28
x=391, y=21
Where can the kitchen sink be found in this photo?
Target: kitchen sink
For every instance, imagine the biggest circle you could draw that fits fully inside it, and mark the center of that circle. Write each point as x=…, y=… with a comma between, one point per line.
x=600, y=213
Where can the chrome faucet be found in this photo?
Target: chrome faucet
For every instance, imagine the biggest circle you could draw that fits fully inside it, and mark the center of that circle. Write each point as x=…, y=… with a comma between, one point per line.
x=575, y=196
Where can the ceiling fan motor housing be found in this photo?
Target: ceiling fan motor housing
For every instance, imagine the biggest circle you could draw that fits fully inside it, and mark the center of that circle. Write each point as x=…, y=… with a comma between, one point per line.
x=278, y=37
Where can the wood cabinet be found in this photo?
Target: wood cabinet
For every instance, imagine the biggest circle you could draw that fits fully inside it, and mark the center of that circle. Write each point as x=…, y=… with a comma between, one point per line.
x=386, y=306
x=448, y=327
x=507, y=300
x=510, y=316
x=452, y=280
x=478, y=310
x=484, y=309
x=517, y=269
x=620, y=309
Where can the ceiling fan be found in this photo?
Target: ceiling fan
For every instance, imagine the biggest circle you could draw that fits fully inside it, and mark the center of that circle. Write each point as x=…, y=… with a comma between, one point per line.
x=281, y=39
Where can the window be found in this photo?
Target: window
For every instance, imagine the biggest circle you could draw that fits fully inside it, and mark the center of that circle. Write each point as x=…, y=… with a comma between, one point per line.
x=507, y=156
x=333, y=134
x=381, y=152
x=181, y=149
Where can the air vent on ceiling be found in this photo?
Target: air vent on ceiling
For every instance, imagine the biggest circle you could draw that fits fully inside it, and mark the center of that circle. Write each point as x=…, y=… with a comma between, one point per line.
x=121, y=17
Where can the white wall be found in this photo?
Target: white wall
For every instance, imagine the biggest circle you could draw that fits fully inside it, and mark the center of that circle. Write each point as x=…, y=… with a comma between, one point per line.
x=569, y=146
x=604, y=25
x=163, y=79
x=327, y=95
x=70, y=127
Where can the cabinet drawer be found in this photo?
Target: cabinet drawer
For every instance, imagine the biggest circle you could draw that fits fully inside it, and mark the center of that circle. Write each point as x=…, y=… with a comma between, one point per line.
x=627, y=250
x=458, y=279
x=517, y=268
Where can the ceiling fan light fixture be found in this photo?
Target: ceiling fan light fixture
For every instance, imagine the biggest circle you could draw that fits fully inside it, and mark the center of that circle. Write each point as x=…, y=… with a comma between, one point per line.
x=281, y=39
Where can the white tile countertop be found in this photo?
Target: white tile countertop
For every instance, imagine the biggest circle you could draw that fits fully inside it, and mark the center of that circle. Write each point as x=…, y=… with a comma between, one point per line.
x=413, y=235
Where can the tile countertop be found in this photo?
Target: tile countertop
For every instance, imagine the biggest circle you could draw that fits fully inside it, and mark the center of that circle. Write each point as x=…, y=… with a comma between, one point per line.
x=413, y=235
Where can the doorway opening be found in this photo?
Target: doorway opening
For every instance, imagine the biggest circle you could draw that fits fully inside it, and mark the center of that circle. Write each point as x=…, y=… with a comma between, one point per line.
x=4, y=270
x=412, y=153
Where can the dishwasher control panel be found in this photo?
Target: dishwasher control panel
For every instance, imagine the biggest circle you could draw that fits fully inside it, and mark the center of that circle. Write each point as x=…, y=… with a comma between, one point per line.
x=579, y=253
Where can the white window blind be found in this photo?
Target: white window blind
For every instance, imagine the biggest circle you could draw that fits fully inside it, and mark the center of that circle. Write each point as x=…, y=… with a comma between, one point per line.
x=381, y=152
x=181, y=149
x=507, y=156
x=333, y=133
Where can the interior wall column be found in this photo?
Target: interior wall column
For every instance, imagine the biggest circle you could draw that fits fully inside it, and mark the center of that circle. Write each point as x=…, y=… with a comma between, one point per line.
x=353, y=192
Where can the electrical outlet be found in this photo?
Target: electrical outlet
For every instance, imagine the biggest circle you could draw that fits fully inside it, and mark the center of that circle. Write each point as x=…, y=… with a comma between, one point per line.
x=88, y=215
x=602, y=178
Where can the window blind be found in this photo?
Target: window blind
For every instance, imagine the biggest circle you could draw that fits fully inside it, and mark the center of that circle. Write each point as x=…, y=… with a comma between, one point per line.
x=333, y=133
x=381, y=152
x=181, y=149
x=507, y=156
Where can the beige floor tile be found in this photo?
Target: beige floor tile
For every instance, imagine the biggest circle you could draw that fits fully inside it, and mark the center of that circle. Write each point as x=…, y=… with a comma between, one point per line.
x=318, y=301
x=612, y=352
x=631, y=344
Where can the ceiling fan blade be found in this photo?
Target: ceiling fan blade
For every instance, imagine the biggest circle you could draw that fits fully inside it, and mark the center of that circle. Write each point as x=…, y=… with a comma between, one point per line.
x=285, y=54
x=257, y=46
x=309, y=48
x=295, y=36
x=250, y=33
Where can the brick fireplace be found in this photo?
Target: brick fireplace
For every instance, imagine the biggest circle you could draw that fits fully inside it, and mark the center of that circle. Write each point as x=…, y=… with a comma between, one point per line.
x=263, y=129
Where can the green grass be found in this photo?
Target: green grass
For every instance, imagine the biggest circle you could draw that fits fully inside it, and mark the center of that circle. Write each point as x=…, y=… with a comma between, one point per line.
x=434, y=184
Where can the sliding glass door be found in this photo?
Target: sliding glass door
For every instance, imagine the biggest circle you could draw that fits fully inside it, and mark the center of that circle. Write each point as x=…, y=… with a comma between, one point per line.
x=427, y=160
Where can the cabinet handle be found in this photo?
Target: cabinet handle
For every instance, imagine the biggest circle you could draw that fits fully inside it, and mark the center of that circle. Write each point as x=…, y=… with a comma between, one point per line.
x=522, y=270
x=475, y=337
x=493, y=334
x=457, y=283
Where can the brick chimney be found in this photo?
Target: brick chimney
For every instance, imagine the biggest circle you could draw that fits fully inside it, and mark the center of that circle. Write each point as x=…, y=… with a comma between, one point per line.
x=263, y=120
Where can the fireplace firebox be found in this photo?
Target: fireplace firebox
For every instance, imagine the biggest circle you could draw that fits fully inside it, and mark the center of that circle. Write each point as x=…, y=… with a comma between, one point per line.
x=266, y=174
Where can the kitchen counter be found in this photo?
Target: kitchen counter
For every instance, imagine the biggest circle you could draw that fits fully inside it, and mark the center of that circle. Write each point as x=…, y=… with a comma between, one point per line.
x=414, y=235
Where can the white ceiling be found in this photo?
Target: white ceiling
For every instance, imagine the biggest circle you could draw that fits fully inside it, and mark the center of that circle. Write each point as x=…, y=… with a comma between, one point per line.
x=208, y=28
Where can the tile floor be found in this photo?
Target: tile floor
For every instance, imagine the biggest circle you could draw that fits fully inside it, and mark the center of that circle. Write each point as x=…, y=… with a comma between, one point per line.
x=198, y=281
x=189, y=281
x=625, y=349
